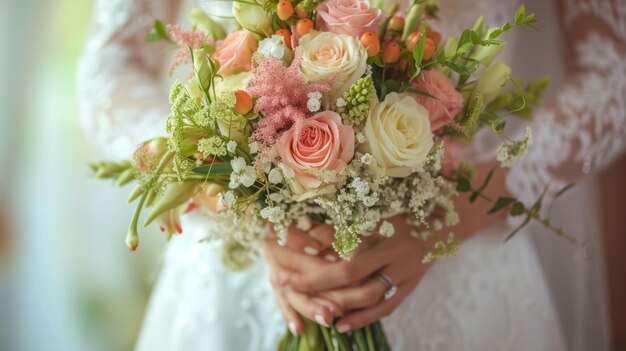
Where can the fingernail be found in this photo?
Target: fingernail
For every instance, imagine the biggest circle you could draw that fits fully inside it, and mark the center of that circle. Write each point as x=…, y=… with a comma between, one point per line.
x=331, y=258
x=311, y=251
x=343, y=328
x=320, y=320
x=292, y=328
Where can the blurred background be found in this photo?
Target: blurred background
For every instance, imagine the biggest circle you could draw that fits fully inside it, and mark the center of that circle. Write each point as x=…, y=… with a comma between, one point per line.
x=67, y=281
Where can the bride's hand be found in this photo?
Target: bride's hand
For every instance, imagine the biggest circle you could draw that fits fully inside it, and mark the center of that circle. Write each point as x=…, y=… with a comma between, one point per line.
x=310, y=246
x=353, y=285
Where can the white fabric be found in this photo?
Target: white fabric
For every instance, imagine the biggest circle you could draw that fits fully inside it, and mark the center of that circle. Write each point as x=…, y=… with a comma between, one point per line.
x=491, y=296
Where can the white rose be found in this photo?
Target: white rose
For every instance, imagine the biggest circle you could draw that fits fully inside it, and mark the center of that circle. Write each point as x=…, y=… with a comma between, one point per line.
x=398, y=135
x=232, y=82
x=326, y=54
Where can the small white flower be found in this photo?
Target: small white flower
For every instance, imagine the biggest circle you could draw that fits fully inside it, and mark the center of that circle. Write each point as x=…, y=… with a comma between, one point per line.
x=360, y=138
x=509, y=153
x=276, y=197
x=254, y=147
x=304, y=223
x=238, y=164
x=273, y=214
x=226, y=200
x=231, y=146
x=387, y=229
x=315, y=103
x=366, y=159
x=273, y=47
x=275, y=176
x=248, y=177
x=242, y=174
x=341, y=102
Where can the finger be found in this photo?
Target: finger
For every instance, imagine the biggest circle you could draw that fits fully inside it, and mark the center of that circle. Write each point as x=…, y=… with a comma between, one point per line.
x=291, y=317
x=344, y=273
x=371, y=292
x=281, y=258
x=309, y=308
x=300, y=241
x=365, y=317
x=324, y=234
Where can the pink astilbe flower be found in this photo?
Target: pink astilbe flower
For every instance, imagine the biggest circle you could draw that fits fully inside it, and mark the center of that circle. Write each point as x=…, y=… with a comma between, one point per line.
x=282, y=94
x=185, y=39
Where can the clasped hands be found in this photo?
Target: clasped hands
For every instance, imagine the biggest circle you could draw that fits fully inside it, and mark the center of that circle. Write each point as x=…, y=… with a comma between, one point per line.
x=309, y=280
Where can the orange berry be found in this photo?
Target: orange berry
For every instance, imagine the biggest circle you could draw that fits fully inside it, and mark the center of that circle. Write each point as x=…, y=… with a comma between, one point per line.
x=396, y=23
x=429, y=48
x=300, y=12
x=286, y=34
x=391, y=52
x=243, y=102
x=284, y=10
x=412, y=39
x=371, y=42
x=304, y=26
x=434, y=35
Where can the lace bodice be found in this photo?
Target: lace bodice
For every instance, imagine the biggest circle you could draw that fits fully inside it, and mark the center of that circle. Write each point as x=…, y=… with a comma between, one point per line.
x=123, y=100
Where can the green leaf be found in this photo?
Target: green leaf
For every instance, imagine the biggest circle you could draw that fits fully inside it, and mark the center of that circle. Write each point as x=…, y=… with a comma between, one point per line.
x=465, y=42
x=461, y=69
x=563, y=190
x=418, y=50
x=420, y=92
x=158, y=32
x=517, y=209
x=520, y=15
x=463, y=185
x=501, y=203
x=525, y=223
x=482, y=188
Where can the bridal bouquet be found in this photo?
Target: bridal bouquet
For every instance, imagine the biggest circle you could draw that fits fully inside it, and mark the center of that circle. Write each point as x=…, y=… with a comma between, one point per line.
x=335, y=111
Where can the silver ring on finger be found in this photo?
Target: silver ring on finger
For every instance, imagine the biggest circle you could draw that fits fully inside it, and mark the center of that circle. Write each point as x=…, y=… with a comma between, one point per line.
x=392, y=289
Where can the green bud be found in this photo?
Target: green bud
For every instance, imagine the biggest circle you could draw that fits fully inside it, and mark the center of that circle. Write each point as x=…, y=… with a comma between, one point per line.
x=202, y=67
x=412, y=20
x=206, y=24
x=491, y=83
x=253, y=17
x=175, y=195
x=486, y=54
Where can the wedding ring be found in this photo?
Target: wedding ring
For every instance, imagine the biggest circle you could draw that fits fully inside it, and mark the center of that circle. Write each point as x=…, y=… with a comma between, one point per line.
x=392, y=290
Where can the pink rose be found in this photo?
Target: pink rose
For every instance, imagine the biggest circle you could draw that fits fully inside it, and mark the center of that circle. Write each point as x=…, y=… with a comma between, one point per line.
x=454, y=151
x=235, y=52
x=351, y=17
x=448, y=102
x=321, y=143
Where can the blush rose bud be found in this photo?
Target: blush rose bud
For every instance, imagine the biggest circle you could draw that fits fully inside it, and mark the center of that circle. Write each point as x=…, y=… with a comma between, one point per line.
x=396, y=23
x=371, y=42
x=429, y=44
x=286, y=34
x=243, y=102
x=304, y=26
x=284, y=10
x=391, y=52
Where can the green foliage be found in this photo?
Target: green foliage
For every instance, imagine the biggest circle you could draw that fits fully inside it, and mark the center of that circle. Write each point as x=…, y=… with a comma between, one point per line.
x=158, y=32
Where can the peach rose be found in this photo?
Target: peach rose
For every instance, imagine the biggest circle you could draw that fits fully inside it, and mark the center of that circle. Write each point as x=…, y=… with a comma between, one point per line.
x=321, y=143
x=447, y=103
x=351, y=17
x=235, y=52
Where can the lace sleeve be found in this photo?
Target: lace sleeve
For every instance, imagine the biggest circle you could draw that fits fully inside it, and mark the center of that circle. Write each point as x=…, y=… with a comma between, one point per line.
x=584, y=128
x=122, y=98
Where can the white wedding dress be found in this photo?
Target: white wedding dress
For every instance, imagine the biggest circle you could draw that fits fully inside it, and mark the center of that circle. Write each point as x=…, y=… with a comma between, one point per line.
x=527, y=294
